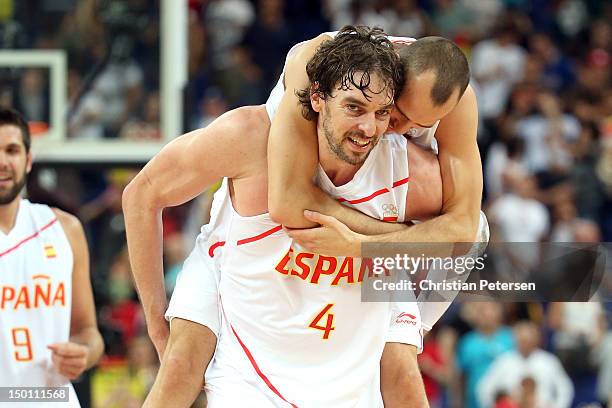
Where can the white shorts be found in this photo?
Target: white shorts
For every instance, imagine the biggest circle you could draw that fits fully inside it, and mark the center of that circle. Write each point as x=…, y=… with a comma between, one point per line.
x=196, y=294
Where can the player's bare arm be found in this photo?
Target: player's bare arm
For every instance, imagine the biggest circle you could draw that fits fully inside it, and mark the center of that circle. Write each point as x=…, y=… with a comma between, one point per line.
x=179, y=380
x=182, y=170
x=85, y=346
x=400, y=377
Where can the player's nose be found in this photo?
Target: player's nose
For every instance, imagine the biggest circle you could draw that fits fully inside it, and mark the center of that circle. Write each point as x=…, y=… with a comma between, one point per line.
x=368, y=125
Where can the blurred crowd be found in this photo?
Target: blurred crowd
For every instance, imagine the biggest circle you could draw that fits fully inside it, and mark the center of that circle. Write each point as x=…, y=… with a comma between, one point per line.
x=541, y=70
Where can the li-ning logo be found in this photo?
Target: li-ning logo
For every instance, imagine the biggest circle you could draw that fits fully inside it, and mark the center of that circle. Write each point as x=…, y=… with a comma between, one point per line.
x=406, y=318
x=390, y=212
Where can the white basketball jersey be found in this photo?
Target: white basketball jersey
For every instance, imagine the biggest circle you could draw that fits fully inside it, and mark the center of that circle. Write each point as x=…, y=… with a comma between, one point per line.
x=420, y=136
x=294, y=330
x=35, y=300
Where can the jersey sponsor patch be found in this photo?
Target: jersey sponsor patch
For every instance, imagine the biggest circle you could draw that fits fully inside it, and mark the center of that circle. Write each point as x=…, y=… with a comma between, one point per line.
x=406, y=318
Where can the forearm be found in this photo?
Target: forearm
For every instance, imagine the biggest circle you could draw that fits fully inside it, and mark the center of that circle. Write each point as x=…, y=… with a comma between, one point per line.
x=292, y=146
x=91, y=338
x=174, y=389
x=180, y=377
x=144, y=238
x=446, y=228
x=401, y=384
x=290, y=185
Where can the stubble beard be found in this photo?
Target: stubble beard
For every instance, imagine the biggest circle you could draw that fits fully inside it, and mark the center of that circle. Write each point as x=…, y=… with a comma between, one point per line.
x=336, y=146
x=7, y=196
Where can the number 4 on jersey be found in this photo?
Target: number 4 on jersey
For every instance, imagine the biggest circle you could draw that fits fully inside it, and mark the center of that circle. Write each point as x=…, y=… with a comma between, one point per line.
x=329, y=321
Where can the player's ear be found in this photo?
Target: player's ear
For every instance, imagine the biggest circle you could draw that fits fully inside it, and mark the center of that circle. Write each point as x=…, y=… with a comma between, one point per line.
x=316, y=97
x=29, y=162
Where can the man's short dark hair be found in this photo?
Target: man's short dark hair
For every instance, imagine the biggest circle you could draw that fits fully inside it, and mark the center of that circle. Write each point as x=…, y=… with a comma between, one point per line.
x=9, y=116
x=348, y=61
x=442, y=56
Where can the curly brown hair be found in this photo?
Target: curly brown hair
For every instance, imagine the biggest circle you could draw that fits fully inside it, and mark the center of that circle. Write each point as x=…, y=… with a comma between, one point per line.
x=348, y=61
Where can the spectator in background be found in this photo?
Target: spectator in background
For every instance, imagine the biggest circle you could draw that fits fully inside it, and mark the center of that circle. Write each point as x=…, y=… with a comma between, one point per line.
x=174, y=255
x=603, y=358
x=241, y=81
x=505, y=162
x=435, y=363
x=553, y=387
x=587, y=188
x=226, y=22
x=478, y=349
x=604, y=175
x=549, y=135
x=571, y=17
x=308, y=18
x=104, y=217
x=453, y=20
x=126, y=383
x=124, y=313
x=497, y=65
x=522, y=102
x=410, y=20
x=12, y=32
x=120, y=87
x=84, y=122
x=360, y=12
x=33, y=96
x=577, y=329
x=558, y=72
x=212, y=106
x=268, y=40
x=518, y=216
x=565, y=220
x=145, y=127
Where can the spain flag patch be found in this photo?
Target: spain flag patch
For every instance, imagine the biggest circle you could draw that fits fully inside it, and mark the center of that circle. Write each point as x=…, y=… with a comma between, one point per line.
x=50, y=251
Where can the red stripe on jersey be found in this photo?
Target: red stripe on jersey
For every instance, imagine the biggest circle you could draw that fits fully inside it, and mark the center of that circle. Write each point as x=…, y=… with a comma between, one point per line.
x=258, y=370
x=376, y=193
x=23, y=241
x=211, y=249
x=260, y=236
x=401, y=182
x=371, y=196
